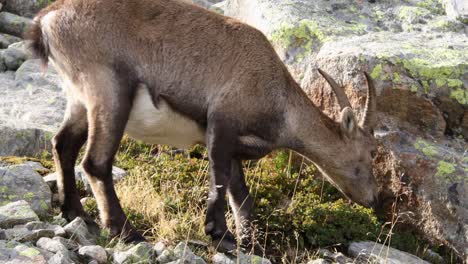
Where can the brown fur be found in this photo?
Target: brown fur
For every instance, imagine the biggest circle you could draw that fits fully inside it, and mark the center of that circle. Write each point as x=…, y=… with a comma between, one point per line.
x=220, y=73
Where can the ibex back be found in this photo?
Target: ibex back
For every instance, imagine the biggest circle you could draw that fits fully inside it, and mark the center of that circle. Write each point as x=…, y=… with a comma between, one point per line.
x=169, y=72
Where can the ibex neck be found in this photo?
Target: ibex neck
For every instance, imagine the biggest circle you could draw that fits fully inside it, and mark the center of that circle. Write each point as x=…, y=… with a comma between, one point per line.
x=314, y=134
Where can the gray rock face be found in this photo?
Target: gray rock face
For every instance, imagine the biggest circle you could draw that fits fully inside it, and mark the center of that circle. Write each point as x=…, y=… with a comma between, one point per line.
x=416, y=56
x=16, y=213
x=31, y=109
x=22, y=182
x=457, y=9
x=27, y=8
x=378, y=253
x=96, y=253
x=13, y=24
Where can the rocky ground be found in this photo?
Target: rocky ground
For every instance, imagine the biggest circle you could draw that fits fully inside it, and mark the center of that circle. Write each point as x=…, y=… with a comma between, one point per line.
x=417, y=51
x=30, y=233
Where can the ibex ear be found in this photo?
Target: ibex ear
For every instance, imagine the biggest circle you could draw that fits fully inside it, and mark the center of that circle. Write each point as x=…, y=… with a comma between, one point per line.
x=348, y=122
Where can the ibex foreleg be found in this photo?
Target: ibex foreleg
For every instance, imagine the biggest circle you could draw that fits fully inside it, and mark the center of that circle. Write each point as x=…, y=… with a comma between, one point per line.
x=220, y=151
x=108, y=112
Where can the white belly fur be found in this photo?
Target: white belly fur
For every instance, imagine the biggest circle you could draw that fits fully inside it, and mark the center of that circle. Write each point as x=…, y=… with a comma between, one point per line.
x=161, y=125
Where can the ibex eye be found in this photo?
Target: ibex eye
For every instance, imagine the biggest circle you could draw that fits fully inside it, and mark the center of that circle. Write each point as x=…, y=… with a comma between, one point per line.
x=373, y=154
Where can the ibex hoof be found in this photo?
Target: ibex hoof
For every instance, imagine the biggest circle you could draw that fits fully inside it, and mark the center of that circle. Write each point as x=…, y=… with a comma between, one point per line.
x=225, y=244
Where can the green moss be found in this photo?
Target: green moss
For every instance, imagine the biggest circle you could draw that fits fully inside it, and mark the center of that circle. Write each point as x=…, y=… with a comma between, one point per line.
x=434, y=6
x=43, y=205
x=414, y=88
x=3, y=189
x=411, y=13
x=377, y=72
x=426, y=148
x=30, y=252
x=441, y=82
x=461, y=95
x=444, y=168
x=454, y=83
x=303, y=35
x=28, y=196
x=396, y=78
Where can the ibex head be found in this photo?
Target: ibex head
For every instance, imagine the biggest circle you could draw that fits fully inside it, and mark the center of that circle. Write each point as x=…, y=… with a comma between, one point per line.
x=350, y=169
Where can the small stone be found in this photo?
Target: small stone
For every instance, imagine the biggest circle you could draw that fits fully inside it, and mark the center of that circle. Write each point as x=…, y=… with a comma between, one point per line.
x=68, y=243
x=78, y=231
x=166, y=257
x=51, y=245
x=61, y=257
x=220, y=258
x=97, y=253
x=16, y=213
x=319, y=261
x=340, y=258
x=159, y=248
x=371, y=251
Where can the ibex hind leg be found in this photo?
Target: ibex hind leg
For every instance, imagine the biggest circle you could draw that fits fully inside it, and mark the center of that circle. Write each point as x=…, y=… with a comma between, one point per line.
x=66, y=146
x=112, y=95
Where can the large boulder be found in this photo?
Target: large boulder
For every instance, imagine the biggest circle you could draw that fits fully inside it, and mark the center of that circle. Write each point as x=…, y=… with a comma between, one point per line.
x=31, y=108
x=417, y=57
x=22, y=182
x=13, y=24
x=27, y=8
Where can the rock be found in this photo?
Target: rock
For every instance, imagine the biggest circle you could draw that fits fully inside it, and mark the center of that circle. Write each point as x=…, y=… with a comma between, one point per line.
x=23, y=235
x=319, y=261
x=97, y=253
x=13, y=57
x=57, y=229
x=220, y=258
x=159, y=248
x=27, y=8
x=51, y=245
x=22, y=142
x=378, y=253
x=16, y=213
x=457, y=9
x=31, y=108
x=15, y=253
x=166, y=256
x=80, y=175
x=68, y=243
x=6, y=40
x=416, y=56
x=77, y=230
x=61, y=257
x=13, y=24
x=22, y=182
x=184, y=254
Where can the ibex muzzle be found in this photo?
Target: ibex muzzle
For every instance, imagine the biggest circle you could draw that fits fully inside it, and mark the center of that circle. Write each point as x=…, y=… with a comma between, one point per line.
x=169, y=72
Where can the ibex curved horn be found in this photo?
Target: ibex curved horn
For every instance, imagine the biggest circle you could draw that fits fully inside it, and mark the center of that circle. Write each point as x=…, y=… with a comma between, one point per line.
x=340, y=94
x=368, y=120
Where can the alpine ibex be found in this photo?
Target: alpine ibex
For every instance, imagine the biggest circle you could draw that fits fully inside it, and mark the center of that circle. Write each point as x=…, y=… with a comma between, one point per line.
x=169, y=72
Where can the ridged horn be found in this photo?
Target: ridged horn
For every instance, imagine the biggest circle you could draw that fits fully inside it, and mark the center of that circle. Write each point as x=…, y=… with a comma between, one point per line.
x=368, y=120
x=339, y=92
